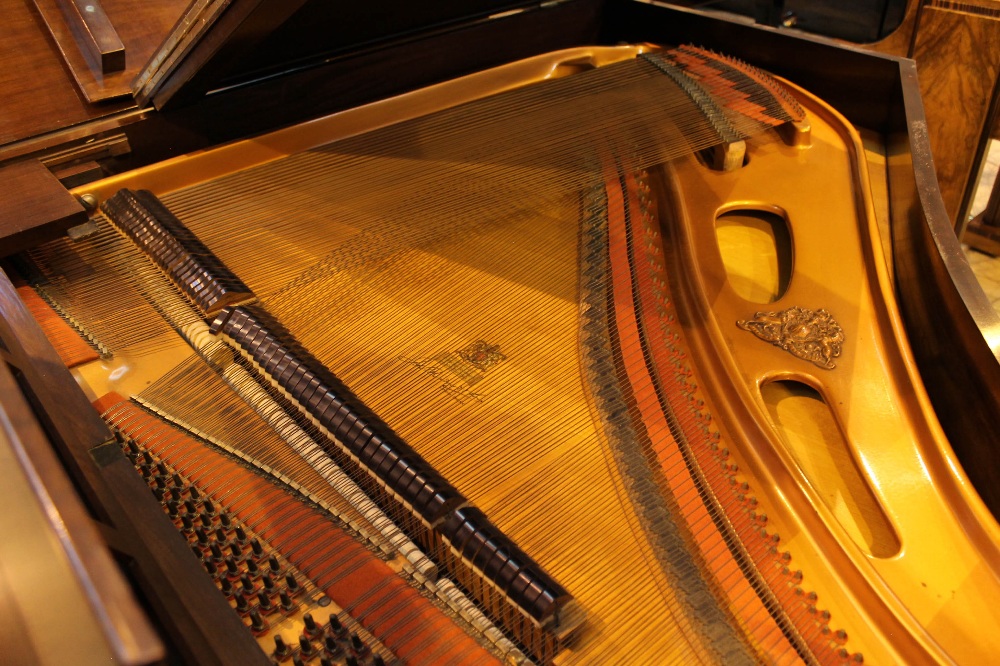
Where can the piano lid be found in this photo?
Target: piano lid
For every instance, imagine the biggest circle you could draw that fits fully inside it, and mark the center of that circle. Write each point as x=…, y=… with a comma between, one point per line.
x=220, y=44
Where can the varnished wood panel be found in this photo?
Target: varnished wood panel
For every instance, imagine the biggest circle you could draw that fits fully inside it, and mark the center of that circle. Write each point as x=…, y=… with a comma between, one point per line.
x=35, y=206
x=141, y=26
x=38, y=93
x=958, y=59
x=54, y=533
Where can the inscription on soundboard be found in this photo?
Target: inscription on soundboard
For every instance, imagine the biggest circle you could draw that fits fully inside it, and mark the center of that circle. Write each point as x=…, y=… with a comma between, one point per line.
x=461, y=369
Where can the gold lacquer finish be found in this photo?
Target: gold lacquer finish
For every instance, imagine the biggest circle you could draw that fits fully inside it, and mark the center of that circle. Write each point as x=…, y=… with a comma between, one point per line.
x=929, y=599
x=469, y=345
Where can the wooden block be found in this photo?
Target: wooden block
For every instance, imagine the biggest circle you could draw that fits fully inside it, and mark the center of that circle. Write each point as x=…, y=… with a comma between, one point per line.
x=139, y=26
x=34, y=207
x=94, y=33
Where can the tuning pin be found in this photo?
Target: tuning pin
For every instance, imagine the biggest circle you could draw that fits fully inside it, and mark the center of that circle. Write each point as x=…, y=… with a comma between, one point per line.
x=286, y=601
x=172, y=509
x=241, y=603
x=297, y=661
x=351, y=660
x=310, y=623
x=337, y=627
x=209, y=506
x=162, y=469
x=264, y=600
x=231, y=567
x=160, y=481
x=227, y=586
x=206, y=520
x=358, y=644
x=187, y=523
x=202, y=537
x=176, y=494
x=235, y=549
x=267, y=582
x=325, y=661
x=293, y=585
x=158, y=493
x=258, y=550
x=248, y=583
x=210, y=567
x=280, y=647
x=256, y=621
x=240, y=534
x=197, y=551
x=332, y=646
x=216, y=551
x=252, y=567
x=305, y=645
x=226, y=521
x=274, y=564
x=176, y=478
x=220, y=534
x=377, y=660
x=195, y=495
x=191, y=506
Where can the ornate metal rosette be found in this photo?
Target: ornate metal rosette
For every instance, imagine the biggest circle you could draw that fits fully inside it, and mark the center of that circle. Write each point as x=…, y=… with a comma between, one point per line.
x=812, y=335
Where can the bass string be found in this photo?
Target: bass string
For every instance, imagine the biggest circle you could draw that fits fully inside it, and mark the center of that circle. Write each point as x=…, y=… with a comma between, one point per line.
x=92, y=281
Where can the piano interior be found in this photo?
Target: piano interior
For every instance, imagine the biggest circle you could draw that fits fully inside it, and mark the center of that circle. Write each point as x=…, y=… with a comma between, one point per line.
x=592, y=357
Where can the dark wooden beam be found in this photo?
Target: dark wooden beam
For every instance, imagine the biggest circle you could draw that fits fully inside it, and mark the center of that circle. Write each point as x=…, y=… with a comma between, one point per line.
x=34, y=207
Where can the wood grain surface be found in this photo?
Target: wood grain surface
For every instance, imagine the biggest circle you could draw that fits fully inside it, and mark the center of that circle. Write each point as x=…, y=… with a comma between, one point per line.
x=35, y=206
x=39, y=92
x=141, y=26
x=958, y=59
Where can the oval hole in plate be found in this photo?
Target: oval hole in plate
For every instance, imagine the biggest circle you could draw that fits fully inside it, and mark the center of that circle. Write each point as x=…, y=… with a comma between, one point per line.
x=810, y=434
x=756, y=249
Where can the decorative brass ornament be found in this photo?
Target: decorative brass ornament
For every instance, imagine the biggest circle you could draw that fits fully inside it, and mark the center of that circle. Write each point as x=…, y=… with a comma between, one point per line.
x=812, y=335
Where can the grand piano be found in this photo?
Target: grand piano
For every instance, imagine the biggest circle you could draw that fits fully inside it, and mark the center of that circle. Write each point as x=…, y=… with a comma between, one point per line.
x=563, y=332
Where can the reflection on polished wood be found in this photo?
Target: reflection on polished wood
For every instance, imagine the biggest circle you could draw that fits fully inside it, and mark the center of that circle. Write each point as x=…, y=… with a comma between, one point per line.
x=958, y=58
x=56, y=577
x=105, y=44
